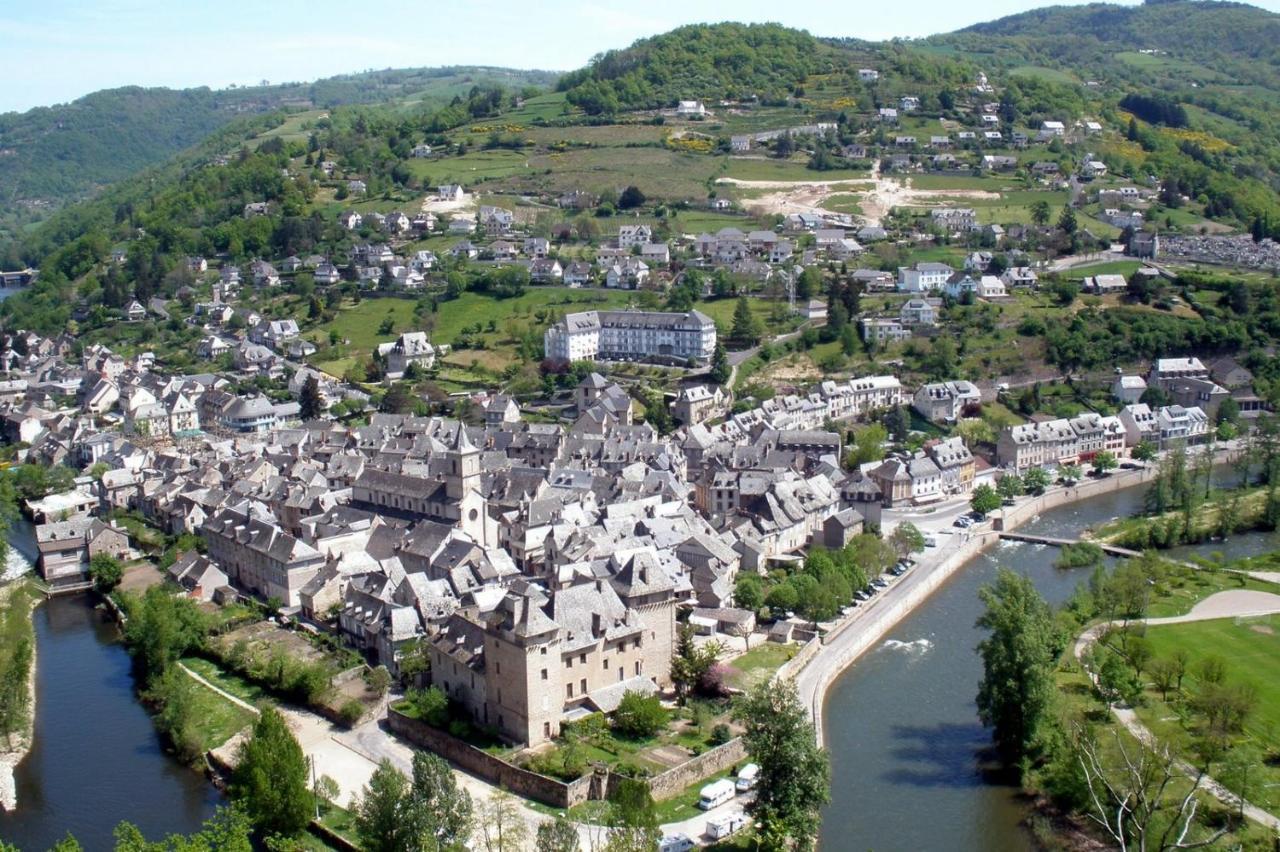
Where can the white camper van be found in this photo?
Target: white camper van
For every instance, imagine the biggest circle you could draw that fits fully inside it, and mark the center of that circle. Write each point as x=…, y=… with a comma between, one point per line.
x=716, y=794
x=747, y=777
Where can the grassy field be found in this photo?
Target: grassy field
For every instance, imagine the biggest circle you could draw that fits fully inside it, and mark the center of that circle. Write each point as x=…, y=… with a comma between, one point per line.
x=360, y=324
x=1050, y=75
x=471, y=167
x=1251, y=649
x=759, y=664
x=986, y=184
x=795, y=169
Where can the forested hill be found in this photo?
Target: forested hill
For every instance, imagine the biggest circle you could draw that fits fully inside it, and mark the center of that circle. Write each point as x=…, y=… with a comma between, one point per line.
x=709, y=62
x=1232, y=38
x=52, y=155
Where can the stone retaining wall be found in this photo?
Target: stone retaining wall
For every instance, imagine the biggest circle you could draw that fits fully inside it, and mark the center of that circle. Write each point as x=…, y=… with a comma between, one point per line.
x=550, y=791
x=522, y=782
x=679, y=778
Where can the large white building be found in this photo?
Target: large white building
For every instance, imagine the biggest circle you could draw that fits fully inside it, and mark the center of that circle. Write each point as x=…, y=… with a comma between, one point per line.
x=613, y=335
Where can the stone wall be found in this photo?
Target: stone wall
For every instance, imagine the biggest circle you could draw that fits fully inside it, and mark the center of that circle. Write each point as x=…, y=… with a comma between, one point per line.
x=522, y=782
x=549, y=791
x=679, y=778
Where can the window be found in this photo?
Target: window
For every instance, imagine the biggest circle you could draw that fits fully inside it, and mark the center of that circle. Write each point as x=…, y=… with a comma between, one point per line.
x=605, y=664
x=638, y=668
x=497, y=668
x=583, y=685
x=544, y=674
x=546, y=730
x=544, y=650
x=582, y=658
x=568, y=690
x=568, y=663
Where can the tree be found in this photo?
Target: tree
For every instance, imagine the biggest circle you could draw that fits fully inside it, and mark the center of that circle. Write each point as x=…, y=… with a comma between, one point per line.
x=906, y=539
x=440, y=810
x=631, y=197
x=1009, y=487
x=500, y=827
x=1144, y=451
x=397, y=400
x=633, y=820
x=1104, y=461
x=942, y=360
x=1130, y=795
x=794, y=781
x=1040, y=213
x=1015, y=696
x=746, y=331
x=270, y=778
x=720, y=369
x=15, y=692
x=378, y=811
x=985, y=500
x=106, y=572
x=748, y=591
x=228, y=830
x=639, y=716
x=378, y=679
x=1036, y=480
x=310, y=403
x=868, y=445
x=1067, y=222
x=556, y=835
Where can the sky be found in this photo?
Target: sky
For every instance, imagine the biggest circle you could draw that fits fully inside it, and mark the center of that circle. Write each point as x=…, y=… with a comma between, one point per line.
x=54, y=51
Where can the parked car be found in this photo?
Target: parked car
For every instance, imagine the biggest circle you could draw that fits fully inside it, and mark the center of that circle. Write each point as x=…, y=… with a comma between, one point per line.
x=930, y=541
x=747, y=777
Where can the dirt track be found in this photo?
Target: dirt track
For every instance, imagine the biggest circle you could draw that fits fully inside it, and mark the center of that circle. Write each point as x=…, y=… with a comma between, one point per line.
x=882, y=194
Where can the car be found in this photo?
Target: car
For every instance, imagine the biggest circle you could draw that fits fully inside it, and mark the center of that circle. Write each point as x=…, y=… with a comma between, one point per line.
x=880, y=583
x=1129, y=466
x=930, y=541
x=963, y=522
x=861, y=595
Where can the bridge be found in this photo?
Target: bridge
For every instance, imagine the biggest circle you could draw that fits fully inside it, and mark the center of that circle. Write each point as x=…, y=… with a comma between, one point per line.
x=1109, y=549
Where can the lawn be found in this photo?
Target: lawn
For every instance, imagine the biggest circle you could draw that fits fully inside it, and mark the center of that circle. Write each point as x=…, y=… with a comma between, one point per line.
x=759, y=664
x=1117, y=267
x=234, y=684
x=721, y=311
x=1251, y=649
x=1049, y=75
x=216, y=719
x=985, y=184
x=660, y=173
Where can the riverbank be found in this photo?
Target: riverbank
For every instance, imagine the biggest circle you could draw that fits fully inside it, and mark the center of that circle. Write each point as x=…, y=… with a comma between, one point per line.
x=16, y=747
x=822, y=661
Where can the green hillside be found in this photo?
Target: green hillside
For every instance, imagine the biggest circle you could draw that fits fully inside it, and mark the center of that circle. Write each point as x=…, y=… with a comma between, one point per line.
x=52, y=155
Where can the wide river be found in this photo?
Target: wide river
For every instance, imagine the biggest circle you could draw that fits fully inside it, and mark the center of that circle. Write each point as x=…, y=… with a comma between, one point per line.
x=901, y=724
x=902, y=727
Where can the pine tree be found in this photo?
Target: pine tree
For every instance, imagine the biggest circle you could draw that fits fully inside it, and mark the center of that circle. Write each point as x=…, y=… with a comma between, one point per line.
x=310, y=404
x=720, y=369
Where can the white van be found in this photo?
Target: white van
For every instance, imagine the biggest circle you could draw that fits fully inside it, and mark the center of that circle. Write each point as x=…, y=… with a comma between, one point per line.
x=675, y=843
x=747, y=777
x=716, y=794
x=721, y=827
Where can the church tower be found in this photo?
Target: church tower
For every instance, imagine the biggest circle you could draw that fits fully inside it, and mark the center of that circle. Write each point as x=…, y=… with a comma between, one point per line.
x=463, y=475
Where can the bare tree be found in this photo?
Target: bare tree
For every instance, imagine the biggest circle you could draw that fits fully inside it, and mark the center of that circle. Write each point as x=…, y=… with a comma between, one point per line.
x=500, y=827
x=1132, y=800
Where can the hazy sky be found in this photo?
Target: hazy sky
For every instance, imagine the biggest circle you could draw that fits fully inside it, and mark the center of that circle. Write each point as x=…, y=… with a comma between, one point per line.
x=53, y=51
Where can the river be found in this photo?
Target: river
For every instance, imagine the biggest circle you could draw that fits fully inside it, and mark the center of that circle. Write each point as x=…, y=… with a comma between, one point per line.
x=96, y=759
x=902, y=727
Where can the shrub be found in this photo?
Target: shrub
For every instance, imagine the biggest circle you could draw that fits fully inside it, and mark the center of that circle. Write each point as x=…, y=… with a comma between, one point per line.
x=639, y=716
x=430, y=705
x=350, y=712
x=721, y=734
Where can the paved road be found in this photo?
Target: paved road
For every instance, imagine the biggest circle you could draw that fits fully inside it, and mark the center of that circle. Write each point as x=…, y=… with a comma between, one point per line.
x=1230, y=604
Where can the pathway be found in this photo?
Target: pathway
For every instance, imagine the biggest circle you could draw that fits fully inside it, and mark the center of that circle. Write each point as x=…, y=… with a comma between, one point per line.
x=1236, y=603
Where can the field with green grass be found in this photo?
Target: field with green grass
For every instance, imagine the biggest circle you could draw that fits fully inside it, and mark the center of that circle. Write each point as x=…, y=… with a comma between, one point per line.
x=1251, y=649
x=794, y=169
x=759, y=664
x=1049, y=75
x=471, y=167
